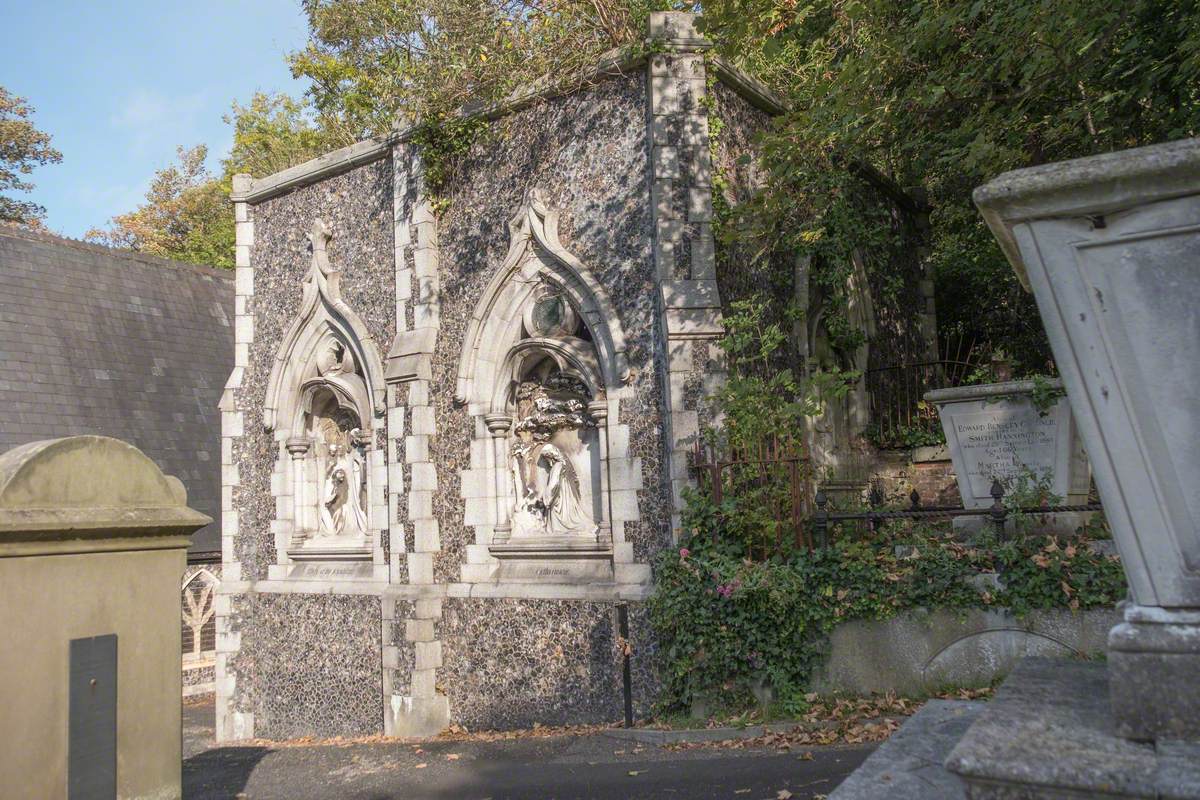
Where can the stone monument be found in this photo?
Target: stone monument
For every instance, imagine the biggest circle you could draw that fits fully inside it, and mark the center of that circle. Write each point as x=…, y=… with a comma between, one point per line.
x=1110, y=247
x=995, y=432
x=93, y=540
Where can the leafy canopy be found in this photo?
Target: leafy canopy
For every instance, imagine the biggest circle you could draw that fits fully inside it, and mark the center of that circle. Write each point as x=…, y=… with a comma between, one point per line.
x=944, y=95
x=22, y=147
x=374, y=61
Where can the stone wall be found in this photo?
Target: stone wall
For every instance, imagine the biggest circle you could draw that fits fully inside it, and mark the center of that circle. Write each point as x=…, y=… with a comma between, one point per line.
x=357, y=207
x=308, y=664
x=511, y=663
x=294, y=664
x=587, y=152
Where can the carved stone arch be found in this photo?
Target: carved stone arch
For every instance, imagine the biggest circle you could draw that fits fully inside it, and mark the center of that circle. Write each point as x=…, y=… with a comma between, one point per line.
x=325, y=402
x=573, y=357
x=323, y=318
x=536, y=258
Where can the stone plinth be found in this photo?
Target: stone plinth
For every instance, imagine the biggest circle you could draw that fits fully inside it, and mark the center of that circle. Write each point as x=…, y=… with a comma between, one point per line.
x=1110, y=247
x=93, y=541
x=1049, y=733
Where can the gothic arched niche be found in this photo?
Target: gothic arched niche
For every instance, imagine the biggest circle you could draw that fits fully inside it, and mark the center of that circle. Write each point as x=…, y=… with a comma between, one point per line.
x=324, y=401
x=543, y=352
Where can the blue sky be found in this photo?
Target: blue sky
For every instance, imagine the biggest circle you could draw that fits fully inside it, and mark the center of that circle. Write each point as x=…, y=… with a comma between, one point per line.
x=119, y=85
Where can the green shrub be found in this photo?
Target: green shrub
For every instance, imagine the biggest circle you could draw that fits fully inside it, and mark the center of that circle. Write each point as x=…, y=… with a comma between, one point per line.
x=726, y=623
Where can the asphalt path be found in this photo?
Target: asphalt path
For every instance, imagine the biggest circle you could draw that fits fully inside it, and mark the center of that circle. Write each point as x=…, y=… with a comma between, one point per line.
x=595, y=767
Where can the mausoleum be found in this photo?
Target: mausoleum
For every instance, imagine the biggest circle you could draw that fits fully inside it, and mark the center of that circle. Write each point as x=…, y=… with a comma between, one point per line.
x=457, y=429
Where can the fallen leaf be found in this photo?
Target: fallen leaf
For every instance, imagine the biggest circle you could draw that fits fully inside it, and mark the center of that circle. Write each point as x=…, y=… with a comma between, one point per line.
x=452, y=756
x=741, y=791
x=422, y=765
x=783, y=794
x=633, y=773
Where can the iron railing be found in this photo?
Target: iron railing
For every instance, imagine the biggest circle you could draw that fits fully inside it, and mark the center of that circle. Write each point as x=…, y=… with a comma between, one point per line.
x=899, y=416
x=875, y=517
x=773, y=472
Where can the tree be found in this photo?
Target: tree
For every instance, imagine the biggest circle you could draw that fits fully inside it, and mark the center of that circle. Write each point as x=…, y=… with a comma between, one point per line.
x=944, y=95
x=372, y=62
x=274, y=132
x=186, y=216
x=22, y=147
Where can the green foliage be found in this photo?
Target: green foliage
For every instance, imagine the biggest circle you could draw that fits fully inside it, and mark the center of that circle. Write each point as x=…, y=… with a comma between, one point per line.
x=1045, y=395
x=22, y=147
x=375, y=62
x=442, y=139
x=761, y=404
x=726, y=623
x=944, y=96
x=904, y=437
x=273, y=132
x=186, y=216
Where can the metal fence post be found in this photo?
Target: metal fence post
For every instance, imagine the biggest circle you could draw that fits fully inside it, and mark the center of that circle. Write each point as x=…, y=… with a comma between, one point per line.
x=998, y=512
x=821, y=520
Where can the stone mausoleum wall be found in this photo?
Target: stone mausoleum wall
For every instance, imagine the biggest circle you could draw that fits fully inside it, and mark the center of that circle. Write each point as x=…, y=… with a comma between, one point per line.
x=456, y=432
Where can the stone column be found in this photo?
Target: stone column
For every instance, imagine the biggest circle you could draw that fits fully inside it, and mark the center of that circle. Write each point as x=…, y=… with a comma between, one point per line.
x=598, y=410
x=1109, y=246
x=298, y=447
x=498, y=426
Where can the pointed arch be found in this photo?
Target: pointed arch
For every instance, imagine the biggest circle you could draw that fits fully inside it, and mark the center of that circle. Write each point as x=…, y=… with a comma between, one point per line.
x=324, y=321
x=535, y=257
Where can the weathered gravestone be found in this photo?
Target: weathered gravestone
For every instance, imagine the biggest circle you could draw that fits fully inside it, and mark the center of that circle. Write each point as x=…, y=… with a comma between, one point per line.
x=997, y=432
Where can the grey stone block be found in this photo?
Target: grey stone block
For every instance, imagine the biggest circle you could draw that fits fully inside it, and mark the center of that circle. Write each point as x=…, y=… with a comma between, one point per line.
x=908, y=766
x=1049, y=734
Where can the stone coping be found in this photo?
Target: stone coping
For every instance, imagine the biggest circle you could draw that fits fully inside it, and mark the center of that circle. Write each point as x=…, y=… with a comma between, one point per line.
x=1048, y=733
x=604, y=592
x=89, y=494
x=1091, y=186
x=985, y=390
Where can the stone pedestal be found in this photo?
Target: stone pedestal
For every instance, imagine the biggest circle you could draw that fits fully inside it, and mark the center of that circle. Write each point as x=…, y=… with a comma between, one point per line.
x=1154, y=672
x=1110, y=247
x=93, y=541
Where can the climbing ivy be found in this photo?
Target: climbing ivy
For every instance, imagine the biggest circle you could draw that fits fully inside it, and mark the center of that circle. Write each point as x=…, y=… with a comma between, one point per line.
x=726, y=623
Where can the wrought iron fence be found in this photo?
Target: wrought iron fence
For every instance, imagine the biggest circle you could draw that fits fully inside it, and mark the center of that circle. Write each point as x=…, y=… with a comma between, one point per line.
x=873, y=518
x=771, y=481
x=899, y=415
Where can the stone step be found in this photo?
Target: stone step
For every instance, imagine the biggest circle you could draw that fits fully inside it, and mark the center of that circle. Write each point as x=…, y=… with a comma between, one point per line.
x=1049, y=734
x=908, y=766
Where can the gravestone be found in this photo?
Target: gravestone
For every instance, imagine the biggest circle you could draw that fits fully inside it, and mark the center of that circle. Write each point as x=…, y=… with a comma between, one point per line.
x=996, y=432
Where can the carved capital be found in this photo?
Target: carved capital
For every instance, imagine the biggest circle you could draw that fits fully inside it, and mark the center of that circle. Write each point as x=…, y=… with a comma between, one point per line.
x=298, y=446
x=498, y=424
x=598, y=410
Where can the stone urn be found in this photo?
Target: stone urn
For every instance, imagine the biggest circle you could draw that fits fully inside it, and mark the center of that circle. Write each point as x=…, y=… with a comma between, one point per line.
x=996, y=431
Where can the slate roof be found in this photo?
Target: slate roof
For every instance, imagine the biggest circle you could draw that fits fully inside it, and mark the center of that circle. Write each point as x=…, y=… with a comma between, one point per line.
x=96, y=340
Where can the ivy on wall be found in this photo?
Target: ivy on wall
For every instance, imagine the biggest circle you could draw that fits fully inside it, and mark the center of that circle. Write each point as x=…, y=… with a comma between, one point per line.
x=726, y=624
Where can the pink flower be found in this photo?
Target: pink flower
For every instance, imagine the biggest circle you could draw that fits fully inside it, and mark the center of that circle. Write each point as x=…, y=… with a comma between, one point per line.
x=684, y=552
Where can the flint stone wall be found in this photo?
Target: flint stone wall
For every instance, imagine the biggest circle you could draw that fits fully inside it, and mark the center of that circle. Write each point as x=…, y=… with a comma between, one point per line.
x=588, y=153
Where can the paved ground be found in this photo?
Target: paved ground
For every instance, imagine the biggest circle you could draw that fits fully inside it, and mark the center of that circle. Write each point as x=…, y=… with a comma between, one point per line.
x=562, y=768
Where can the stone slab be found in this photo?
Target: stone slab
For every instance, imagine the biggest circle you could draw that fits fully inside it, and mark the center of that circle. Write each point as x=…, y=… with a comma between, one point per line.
x=995, y=432
x=908, y=766
x=1049, y=734
x=919, y=652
